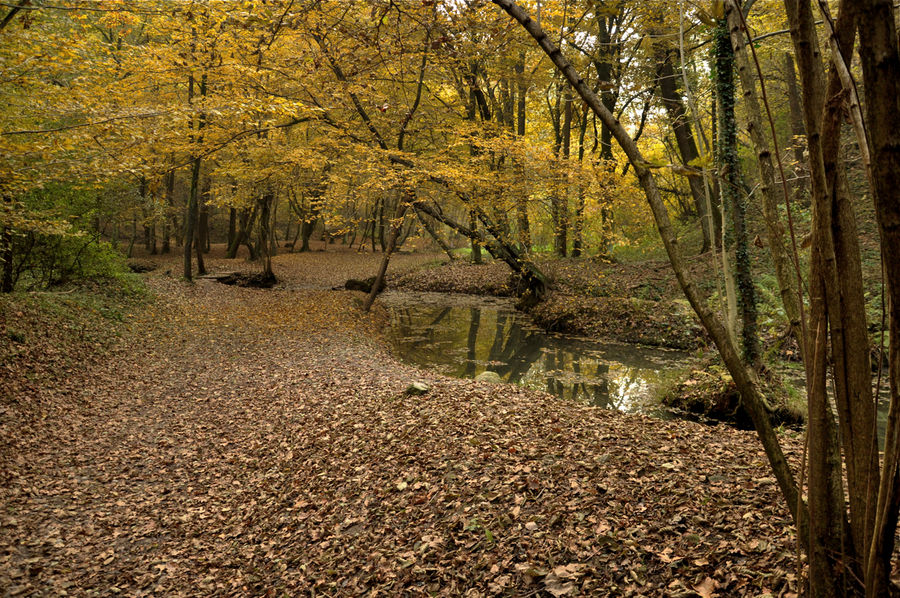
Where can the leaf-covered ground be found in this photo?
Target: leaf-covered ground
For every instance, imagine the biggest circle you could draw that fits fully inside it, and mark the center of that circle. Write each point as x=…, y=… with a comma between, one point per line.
x=244, y=442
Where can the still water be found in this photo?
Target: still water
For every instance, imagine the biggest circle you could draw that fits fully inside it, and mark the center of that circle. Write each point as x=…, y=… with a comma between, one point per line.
x=463, y=336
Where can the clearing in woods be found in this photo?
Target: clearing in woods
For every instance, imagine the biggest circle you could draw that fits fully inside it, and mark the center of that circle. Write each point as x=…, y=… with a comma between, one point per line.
x=259, y=442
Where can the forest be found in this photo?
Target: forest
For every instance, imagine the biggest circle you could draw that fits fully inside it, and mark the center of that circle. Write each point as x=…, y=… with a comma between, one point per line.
x=450, y=297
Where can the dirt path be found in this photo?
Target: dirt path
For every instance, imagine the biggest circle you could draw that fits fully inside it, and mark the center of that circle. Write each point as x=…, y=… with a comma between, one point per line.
x=249, y=442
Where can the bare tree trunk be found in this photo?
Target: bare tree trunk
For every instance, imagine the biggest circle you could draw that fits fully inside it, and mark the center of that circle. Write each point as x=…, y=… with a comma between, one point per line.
x=475, y=244
x=578, y=227
x=561, y=198
x=232, y=226
x=190, y=221
x=522, y=200
x=835, y=302
x=386, y=257
x=190, y=218
x=684, y=138
x=880, y=60
x=7, y=280
x=134, y=234
x=203, y=221
x=265, y=222
x=170, y=209
x=798, y=129
x=437, y=239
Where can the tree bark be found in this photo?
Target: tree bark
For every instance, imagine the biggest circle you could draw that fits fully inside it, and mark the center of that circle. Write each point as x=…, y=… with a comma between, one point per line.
x=684, y=138
x=434, y=235
x=190, y=221
x=835, y=537
x=170, y=209
x=386, y=257
x=732, y=194
x=203, y=220
x=7, y=279
x=880, y=60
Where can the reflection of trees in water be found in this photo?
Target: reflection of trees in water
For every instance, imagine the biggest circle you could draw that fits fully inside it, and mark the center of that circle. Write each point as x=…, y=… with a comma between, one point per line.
x=596, y=393
x=628, y=384
x=474, y=324
x=408, y=327
x=514, y=351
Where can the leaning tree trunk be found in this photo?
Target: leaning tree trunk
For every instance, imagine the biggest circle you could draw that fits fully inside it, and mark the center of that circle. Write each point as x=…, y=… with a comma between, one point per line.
x=429, y=228
x=395, y=226
x=745, y=378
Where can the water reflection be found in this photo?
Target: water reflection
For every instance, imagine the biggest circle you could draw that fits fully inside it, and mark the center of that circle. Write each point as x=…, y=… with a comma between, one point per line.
x=463, y=336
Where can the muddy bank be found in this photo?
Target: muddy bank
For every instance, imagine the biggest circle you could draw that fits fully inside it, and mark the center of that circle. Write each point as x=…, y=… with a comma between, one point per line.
x=588, y=298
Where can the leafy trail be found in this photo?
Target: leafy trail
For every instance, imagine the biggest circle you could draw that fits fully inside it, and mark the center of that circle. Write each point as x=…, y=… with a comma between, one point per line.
x=259, y=442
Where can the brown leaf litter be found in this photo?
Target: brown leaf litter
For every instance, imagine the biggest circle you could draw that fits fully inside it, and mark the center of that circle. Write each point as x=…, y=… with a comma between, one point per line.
x=246, y=442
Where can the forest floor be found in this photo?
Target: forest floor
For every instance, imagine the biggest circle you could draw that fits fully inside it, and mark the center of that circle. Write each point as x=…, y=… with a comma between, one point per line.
x=247, y=442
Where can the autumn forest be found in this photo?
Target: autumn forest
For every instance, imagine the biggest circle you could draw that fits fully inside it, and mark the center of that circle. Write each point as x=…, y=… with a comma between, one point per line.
x=449, y=297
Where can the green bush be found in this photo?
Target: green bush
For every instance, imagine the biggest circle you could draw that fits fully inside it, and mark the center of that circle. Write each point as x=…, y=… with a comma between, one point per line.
x=50, y=238
x=42, y=261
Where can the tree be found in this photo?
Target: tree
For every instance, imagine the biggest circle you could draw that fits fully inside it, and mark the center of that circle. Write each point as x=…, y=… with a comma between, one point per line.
x=849, y=551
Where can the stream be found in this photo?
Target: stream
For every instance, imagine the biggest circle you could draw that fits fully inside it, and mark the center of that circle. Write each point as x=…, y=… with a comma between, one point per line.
x=465, y=335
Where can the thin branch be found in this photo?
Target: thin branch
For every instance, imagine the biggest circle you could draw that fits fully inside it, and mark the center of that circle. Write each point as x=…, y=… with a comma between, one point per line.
x=82, y=125
x=14, y=8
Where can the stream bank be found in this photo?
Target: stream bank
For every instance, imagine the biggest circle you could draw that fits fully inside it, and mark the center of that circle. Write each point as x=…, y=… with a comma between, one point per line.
x=638, y=305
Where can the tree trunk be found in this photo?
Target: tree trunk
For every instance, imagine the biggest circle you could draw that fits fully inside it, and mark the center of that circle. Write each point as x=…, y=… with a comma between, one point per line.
x=847, y=315
x=232, y=226
x=732, y=190
x=784, y=271
x=522, y=200
x=265, y=221
x=203, y=220
x=835, y=301
x=798, y=130
x=386, y=257
x=190, y=221
x=7, y=279
x=534, y=284
x=437, y=239
x=475, y=243
x=745, y=379
x=578, y=228
x=169, y=210
x=880, y=60
x=684, y=138
x=190, y=218
x=561, y=198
